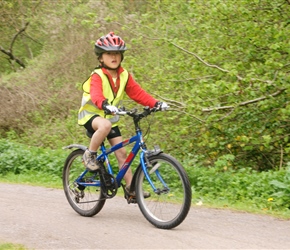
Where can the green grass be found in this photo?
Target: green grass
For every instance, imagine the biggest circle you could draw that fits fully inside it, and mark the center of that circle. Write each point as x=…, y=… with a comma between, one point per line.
x=35, y=179
x=243, y=207
x=11, y=246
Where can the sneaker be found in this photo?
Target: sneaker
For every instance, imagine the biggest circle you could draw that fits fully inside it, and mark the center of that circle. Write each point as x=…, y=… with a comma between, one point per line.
x=133, y=193
x=90, y=161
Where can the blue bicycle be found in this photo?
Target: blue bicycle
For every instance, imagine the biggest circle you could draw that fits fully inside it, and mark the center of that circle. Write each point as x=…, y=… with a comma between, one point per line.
x=158, y=174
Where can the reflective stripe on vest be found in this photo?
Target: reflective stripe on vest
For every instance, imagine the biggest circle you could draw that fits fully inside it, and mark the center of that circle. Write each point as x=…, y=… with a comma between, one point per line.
x=89, y=109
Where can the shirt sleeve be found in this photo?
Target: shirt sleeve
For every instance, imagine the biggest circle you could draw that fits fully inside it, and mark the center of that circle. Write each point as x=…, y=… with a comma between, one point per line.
x=139, y=95
x=96, y=90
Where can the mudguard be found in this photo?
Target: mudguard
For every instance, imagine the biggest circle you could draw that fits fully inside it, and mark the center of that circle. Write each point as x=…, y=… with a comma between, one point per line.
x=75, y=146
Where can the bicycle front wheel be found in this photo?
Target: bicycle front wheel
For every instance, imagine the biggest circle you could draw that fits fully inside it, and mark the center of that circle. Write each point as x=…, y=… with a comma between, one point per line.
x=169, y=203
x=87, y=200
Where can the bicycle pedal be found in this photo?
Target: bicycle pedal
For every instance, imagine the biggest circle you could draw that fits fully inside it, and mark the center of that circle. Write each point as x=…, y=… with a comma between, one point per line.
x=131, y=200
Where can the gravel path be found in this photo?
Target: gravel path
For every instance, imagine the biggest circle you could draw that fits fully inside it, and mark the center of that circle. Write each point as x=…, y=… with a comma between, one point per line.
x=41, y=218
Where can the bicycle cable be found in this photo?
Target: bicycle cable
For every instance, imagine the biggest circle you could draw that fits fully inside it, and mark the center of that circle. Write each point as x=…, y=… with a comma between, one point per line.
x=149, y=121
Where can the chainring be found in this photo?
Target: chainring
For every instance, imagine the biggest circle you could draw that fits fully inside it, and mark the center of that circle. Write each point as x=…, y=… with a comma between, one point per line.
x=109, y=185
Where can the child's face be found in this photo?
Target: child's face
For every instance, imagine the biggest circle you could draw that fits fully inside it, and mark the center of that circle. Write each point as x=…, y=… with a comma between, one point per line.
x=111, y=59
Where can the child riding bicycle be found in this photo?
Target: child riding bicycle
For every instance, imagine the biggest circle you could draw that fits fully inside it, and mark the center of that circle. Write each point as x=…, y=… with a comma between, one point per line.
x=102, y=93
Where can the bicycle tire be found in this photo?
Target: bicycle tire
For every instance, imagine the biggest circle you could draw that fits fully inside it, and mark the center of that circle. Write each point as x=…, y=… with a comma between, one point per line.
x=170, y=207
x=86, y=201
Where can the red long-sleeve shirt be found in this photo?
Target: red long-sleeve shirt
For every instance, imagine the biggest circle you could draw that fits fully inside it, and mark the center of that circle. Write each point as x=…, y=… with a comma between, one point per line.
x=133, y=90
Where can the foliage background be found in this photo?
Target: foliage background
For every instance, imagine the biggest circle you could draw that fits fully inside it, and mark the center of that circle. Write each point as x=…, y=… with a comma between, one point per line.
x=223, y=66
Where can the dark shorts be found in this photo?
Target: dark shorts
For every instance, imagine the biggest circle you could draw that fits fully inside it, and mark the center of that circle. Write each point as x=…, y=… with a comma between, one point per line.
x=115, y=131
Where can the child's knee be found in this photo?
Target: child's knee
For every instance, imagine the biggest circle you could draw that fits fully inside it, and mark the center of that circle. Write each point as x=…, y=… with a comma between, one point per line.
x=107, y=125
x=104, y=125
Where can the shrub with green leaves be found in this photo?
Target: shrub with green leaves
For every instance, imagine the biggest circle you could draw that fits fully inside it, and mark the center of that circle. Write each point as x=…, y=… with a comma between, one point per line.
x=282, y=186
x=267, y=190
x=18, y=158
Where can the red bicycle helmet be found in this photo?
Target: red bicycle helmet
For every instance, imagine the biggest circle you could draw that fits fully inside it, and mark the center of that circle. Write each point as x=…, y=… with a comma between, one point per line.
x=109, y=42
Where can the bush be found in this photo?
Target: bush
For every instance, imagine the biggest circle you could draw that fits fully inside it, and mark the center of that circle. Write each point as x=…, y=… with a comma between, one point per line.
x=282, y=186
x=268, y=190
x=17, y=158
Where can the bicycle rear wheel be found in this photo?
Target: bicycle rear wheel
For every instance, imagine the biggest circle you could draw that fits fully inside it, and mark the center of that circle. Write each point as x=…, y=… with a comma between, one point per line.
x=168, y=206
x=85, y=200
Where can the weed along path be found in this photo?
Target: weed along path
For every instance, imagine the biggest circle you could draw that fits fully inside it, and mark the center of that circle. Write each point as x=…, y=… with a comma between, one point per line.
x=41, y=218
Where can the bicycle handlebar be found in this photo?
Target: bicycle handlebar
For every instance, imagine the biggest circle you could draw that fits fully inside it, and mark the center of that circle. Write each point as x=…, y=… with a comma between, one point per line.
x=138, y=116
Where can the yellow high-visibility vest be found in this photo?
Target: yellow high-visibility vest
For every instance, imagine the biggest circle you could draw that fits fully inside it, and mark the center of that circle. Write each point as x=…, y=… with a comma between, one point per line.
x=89, y=109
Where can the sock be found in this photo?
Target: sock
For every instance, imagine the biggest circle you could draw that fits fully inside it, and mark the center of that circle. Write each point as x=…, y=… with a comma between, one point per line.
x=93, y=152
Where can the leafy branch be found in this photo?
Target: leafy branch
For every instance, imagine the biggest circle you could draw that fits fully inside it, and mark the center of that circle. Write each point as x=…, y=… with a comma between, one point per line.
x=219, y=68
x=178, y=106
x=280, y=91
x=203, y=61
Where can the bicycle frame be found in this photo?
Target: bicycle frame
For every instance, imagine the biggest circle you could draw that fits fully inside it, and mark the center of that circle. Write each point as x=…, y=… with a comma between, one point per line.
x=139, y=143
x=103, y=157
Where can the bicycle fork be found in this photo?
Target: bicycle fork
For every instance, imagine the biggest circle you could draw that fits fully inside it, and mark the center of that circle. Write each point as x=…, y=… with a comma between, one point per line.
x=149, y=169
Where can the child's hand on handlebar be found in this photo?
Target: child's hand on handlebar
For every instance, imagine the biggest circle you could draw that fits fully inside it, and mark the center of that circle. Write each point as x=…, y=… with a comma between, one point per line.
x=162, y=106
x=109, y=109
